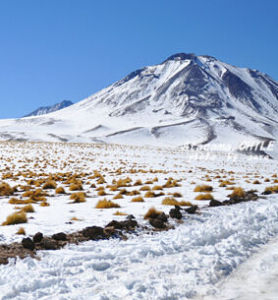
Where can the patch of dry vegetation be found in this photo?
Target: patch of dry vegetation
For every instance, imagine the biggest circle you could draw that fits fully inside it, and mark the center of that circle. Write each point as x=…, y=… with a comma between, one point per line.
x=206, y=196
x=203, y=188
x=152, y=213
x=78, y=197
x=107, y=204
x=16, y=218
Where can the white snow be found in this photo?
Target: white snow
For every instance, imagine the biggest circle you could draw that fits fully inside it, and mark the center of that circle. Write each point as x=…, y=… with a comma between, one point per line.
x=206, y=255
x=179, y=264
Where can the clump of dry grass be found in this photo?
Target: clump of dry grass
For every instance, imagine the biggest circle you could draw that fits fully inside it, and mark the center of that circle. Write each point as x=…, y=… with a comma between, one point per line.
x=137, y=199
x=256, y=182
x=19, y=201
x=101, y=180
x=107, y=204
x=101, y=192
x=21, y=231
x=149, y=194
x=224, y=183
x=6, y=189
x=173, y=201
x=203, y=188
x=133, y=193
x=75, y=219
x=78, y=197
x=145, y=188
x=152, y=213
x=50, y=184
x=157, y=188
x=16, y=218
x=238, y=193
x=155, y=179
x=76, y=187
x=272, y=189
x=170, y=201
x=60, y=190
x=123, y=192
x=176, y=195
x=113, y=188
x=149, y=182
x=123, y=182
x=118, y=196
x=206, y=196
x=28, y=208
x=171, y=183
x=138, y=182
x=35, y=195
x=119, y=213
x=44, y=203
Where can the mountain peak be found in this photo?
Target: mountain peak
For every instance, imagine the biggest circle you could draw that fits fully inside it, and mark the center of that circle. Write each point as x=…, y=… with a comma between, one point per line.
x=181, y=56
x=48, y=109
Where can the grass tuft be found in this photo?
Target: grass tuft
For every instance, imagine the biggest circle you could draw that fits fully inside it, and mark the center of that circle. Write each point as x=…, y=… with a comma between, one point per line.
x=5, y=189
x=152, y=213
x=28, y=208
x=16, y=218
x=78, y=197
x=203, y=188
x=60, y=190
x=119, y=213
x=206, y=196
x=50, y=184
x=237, y=193
x=21, y=231
x=137, y=199
x=107, y=204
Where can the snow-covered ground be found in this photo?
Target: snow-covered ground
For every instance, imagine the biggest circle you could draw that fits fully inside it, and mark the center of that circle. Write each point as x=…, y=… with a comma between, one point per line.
x=219, y=253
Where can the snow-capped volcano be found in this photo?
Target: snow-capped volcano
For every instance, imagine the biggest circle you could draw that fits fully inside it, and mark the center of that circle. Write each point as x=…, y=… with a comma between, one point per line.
x=186, y=99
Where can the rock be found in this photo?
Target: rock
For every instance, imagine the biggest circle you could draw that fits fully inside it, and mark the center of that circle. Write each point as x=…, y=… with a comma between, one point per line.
x=28, y=244
x=49, y=244
x=61, y=236
x=109, y=230
x=127, y=224
x=115, y=224
x=93, y=232
x=214, y=203
x=130, y=217
x=157, y=223
x=37, y=237
x=162, y=217
x=175, y=213
x=266, y=193
x=251, y=195
x=192, y=209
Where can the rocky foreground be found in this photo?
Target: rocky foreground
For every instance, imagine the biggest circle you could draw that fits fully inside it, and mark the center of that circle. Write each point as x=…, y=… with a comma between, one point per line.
x=114, y=229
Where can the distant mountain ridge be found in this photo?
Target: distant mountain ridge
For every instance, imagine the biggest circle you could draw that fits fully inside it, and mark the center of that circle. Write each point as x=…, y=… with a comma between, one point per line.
x=185, y=100
x=48, y=109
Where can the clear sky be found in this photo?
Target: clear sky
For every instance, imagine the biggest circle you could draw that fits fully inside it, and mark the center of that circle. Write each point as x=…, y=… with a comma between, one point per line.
x=69, y=49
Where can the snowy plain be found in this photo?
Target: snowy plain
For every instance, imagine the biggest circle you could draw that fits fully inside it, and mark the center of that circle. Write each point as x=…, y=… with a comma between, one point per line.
x=226, y=252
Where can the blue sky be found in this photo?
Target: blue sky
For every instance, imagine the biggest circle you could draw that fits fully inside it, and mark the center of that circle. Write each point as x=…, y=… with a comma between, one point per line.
x=68, y=49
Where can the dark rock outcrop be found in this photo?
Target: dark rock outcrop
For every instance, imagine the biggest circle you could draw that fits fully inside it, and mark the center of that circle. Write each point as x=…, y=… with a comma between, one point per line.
x=28, y=243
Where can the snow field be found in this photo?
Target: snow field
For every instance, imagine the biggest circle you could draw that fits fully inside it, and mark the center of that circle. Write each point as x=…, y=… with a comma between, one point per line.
x=188, y=262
